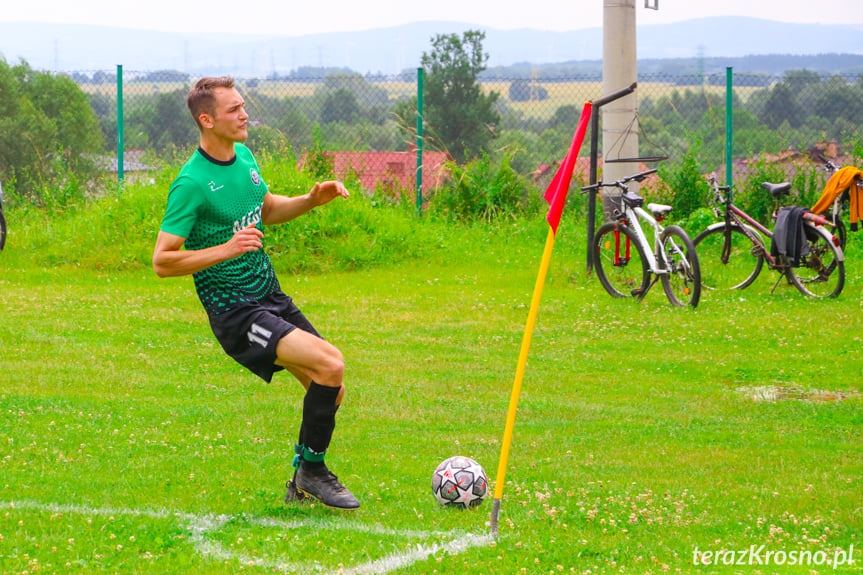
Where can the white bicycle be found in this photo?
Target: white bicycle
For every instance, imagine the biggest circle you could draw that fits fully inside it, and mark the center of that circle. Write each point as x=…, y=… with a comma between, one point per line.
x=625, y=262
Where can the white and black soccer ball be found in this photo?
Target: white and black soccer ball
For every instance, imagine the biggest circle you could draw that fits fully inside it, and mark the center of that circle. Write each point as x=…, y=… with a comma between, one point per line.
x=459, y=482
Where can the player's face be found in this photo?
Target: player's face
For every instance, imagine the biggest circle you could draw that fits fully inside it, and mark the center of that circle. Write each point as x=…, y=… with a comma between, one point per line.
x=230, y=117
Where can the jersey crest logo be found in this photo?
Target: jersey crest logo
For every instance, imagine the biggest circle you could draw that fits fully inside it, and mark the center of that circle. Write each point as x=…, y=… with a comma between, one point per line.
x=256, y=178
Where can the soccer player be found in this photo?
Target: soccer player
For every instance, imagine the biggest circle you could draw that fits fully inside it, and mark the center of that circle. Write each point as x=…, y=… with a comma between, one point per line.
x=213, y=229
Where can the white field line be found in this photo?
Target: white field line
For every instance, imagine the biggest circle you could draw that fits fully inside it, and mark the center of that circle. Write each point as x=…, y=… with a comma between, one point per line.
x=400, y=560
x=201, y=525
x=374, y=529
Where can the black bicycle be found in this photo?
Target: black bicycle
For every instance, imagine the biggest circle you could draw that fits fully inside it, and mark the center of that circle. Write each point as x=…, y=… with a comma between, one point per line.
x=2, y=222
x=733, y=251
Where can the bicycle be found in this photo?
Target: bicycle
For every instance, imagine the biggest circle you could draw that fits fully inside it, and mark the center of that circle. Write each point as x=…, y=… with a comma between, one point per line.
x=625, y=272
x=839, y=205
x=2, y=222
x=733, y=251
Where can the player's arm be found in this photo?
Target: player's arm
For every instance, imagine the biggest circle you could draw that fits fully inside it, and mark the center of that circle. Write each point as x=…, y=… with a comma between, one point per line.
x=170, y=260
x=280, y=209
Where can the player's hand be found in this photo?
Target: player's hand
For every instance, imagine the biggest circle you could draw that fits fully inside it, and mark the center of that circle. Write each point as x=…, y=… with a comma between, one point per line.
x=325, y=192
x=248, y=239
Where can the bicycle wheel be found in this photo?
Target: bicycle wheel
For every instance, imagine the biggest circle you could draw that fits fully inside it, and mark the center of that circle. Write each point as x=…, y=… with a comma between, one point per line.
x=822, y=271
x=739, y=268
x=682, y=283
x=619, y=261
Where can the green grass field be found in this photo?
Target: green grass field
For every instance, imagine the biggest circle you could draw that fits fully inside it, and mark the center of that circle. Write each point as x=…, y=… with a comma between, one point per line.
x=129, y=443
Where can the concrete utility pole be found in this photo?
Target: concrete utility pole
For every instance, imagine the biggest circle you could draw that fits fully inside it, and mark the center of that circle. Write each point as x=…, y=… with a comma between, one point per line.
x=619, y=70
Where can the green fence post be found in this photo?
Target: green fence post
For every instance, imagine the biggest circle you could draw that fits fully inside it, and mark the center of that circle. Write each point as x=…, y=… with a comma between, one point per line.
x=729, y=128
x=120, y=150
x=419, y=141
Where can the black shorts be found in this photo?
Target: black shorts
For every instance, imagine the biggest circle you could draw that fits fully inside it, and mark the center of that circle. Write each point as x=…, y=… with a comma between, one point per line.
x=251, y=333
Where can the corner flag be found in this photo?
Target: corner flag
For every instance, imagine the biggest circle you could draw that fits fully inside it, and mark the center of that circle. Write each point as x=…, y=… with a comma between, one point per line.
x=555, y=195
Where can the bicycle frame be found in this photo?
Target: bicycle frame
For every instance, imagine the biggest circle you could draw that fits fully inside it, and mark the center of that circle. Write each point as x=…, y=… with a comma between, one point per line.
x=672, y=257
x=657, y=259
x=735, y=215
x=816, y=269
x=632, y=216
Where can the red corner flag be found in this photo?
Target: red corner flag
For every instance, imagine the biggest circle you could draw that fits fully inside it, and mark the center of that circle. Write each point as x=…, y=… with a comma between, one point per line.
x=555, y=195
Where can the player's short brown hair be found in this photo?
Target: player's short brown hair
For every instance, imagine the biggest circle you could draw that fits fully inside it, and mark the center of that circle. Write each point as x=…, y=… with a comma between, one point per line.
x=201, y=99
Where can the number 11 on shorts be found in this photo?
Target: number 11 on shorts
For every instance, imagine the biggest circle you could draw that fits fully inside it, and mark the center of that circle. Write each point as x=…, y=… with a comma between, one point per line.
x=259, y=335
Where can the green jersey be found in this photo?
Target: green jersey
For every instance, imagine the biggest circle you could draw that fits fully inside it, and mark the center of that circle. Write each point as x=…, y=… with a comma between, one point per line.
x=208, y=203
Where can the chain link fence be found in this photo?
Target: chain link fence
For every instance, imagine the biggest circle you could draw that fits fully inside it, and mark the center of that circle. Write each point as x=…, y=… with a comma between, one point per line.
x=368, y=122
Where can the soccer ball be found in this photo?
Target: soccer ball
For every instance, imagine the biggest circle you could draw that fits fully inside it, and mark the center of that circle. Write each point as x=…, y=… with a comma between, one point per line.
x=459, y=482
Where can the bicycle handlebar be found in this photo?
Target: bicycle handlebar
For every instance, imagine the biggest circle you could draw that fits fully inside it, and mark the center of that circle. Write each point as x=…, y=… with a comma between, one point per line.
x=619, y=183
x=831, y=167
x=720, y=193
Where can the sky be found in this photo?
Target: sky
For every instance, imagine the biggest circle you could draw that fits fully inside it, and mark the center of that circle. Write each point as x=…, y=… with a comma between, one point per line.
x=291, y=18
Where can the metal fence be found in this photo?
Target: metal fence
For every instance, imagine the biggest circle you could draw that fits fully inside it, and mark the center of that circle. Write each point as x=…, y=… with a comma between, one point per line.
x=369, y=122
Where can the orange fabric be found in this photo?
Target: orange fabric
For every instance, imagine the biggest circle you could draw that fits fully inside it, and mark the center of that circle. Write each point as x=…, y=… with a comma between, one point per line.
x=838, y=183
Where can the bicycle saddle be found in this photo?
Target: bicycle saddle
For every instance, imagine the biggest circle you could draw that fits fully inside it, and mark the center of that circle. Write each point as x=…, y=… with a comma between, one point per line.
x=658, y=209
x=777, y=190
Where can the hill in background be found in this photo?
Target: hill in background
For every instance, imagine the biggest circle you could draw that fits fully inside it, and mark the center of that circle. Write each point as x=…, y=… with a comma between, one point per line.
x=712, y=41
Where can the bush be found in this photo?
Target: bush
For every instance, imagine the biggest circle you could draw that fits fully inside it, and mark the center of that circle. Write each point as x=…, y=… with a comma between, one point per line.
x=485, y=191
x=698, y=221
x=754, y=199
x=686, y=188
x=319, y=163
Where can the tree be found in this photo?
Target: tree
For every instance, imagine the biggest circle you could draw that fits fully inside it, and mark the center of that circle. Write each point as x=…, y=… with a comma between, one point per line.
x=47, y=130
x=566, y=117
x=340, y=105
x=459, y=115
x=170, y=125
x=165, y=76
x=781, y=107
x=364, y=92
x=799, y=79
x=522, y=90
x=66, y=106
x=839, y=101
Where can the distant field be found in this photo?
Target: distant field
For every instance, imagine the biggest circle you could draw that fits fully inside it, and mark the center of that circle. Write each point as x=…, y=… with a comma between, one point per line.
x=559, y=93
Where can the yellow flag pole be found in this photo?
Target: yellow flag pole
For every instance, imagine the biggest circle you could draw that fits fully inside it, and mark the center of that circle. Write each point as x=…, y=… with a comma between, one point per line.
x=519, y=377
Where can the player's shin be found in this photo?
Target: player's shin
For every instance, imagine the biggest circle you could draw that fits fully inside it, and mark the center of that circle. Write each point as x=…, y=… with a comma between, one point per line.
x=319, y=422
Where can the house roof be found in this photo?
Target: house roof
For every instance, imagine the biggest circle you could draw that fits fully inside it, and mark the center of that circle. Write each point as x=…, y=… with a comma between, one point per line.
x=581, y=168
x=581, y=171
x=393, y=169
x=789, y=161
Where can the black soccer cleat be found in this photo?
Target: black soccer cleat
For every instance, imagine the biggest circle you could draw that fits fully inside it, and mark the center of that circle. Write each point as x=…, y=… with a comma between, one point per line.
x=323, y=485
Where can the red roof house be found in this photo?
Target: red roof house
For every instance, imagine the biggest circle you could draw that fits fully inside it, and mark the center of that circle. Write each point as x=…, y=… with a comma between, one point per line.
x=390, y=172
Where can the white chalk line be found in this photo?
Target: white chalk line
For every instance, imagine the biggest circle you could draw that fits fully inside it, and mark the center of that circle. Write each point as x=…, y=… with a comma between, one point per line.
x=400, y=560
x=201, y=525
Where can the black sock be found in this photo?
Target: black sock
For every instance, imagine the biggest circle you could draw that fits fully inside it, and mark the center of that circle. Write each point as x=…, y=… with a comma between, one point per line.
x=315, y=465
x=319, y=420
